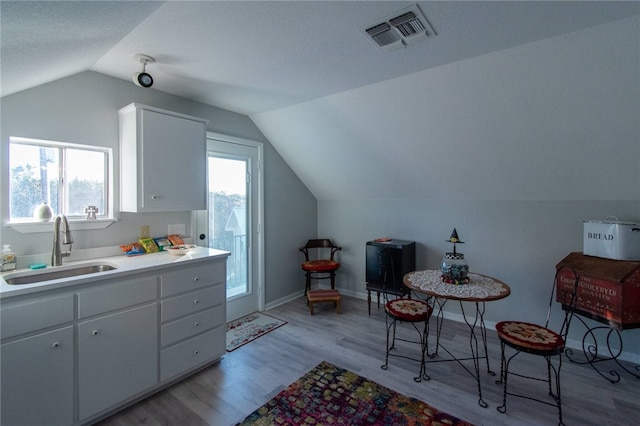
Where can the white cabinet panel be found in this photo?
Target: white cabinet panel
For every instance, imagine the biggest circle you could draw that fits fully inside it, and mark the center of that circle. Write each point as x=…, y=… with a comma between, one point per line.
x=162, y=160
x=192, y=353
x=117, y=296
x=34, y=314
x=192, y=325
x=37, y=380
x=192, y=302
x=117, y=358
x=187, y=279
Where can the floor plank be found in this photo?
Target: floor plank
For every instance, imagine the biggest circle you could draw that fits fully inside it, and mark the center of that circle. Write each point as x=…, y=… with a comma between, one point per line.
x=246, y=378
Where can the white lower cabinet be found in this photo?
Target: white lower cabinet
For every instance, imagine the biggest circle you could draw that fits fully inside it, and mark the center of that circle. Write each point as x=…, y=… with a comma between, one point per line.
x=117, y=358
x=79, y=354
x=190, y=354
x=37, y=353
x=37, y=379
x=193, y=317
x=175, y=331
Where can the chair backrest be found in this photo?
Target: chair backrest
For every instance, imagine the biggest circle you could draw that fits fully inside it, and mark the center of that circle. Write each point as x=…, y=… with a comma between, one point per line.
x=321, y=243
x=567, y=296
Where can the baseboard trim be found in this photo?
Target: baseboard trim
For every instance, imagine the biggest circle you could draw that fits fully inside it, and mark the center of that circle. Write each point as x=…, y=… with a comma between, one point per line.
x=284, y=300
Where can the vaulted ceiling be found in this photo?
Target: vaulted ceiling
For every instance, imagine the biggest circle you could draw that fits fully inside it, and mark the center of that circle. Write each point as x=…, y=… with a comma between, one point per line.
x=256, y=56
x=268, y=59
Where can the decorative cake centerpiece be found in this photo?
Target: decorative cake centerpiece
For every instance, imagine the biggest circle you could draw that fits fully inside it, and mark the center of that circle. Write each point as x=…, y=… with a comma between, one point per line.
x=454, y=268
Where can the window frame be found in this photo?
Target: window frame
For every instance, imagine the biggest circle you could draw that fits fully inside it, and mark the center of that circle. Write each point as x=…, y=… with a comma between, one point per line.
x=102, y=220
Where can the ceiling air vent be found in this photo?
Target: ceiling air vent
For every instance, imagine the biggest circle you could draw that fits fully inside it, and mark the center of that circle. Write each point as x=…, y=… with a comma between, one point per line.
x=399, y=29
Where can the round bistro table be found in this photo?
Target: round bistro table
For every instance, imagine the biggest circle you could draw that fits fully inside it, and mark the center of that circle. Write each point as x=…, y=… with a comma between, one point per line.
x=480, y=289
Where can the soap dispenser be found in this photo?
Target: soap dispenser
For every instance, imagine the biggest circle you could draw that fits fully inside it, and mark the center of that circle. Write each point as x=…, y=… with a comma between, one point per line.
x=8, y=259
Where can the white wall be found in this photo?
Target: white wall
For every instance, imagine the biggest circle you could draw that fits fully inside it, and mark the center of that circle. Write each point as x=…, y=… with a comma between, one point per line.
x=515, y=149
x=551, y=120
x=519, y=242
x=83, y=109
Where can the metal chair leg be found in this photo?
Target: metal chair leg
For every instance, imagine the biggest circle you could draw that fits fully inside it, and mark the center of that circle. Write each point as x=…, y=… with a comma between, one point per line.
x=504, y=373
x=388, y=349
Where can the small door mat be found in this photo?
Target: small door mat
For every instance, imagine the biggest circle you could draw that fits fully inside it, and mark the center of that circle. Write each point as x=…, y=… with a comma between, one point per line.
x=250, y=327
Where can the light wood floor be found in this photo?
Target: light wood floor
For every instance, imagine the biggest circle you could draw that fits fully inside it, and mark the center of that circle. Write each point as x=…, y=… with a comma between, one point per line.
x=244, y=379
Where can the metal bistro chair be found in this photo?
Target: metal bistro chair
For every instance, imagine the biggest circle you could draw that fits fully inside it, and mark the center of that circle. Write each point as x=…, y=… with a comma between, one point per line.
x=323, y=268
x=538, y=340
x=401, y=309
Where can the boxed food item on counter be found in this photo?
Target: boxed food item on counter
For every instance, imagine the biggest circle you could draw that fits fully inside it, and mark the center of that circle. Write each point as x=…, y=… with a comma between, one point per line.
x=132, y=249
x=162, y=242
x=149, y=245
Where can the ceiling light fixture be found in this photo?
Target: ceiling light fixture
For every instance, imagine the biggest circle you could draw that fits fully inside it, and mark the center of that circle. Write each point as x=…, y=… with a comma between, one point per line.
x=143, y=79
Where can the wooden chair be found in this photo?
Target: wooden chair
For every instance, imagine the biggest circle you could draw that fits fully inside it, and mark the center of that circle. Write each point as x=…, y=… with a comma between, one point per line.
x=325, y=266
x=538, y=340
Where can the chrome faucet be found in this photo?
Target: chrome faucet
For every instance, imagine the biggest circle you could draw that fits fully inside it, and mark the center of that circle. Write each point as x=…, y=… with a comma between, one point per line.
x=58, y=254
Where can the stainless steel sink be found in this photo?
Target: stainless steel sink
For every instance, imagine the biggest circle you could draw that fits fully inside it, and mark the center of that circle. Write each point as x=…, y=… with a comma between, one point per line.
x=32, y=277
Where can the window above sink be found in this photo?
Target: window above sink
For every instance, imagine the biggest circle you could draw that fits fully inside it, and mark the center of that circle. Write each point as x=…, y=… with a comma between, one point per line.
x=72, y=179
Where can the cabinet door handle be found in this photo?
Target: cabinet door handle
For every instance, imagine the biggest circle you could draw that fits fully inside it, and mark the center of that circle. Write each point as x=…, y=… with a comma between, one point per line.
x=196, y=301
x=154, y=197
x=195, y=324
x=196, y=279
x=196, y=352
x=95, y=332
x=55, y=345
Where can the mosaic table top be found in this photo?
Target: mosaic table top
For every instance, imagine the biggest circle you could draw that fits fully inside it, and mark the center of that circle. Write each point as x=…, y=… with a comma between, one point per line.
x=481, y=288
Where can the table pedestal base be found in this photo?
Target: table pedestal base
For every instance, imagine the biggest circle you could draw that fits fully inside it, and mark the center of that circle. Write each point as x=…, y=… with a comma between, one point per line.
x=478, y=320
x=480, y=289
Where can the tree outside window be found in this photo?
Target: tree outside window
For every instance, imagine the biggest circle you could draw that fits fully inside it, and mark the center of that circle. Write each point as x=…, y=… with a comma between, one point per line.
x=67, y=177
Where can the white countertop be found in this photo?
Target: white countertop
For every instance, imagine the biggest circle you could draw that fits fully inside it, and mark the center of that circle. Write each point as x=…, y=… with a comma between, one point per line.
x=124, y=265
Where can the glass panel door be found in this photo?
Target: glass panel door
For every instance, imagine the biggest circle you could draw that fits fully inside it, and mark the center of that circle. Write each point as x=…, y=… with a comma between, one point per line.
x=233, y=218
x=228, y=218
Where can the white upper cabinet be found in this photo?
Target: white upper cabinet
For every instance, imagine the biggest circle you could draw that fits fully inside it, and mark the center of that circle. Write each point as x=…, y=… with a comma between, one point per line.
x=162, y=160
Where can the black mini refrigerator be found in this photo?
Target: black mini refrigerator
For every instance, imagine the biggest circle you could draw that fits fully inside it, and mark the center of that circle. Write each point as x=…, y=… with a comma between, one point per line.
x=388, y=262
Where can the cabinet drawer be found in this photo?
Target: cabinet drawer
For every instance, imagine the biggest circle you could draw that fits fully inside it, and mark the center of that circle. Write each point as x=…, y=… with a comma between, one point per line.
x=192, y=353
x=192, y=302
x=192, y=278
x=35, y=314
x=192, y=325
x=116, y=296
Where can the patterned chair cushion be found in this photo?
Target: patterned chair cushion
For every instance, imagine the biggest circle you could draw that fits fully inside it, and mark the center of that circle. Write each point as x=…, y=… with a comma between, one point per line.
x=322, y=265
x=410, y=310
x=530, y=336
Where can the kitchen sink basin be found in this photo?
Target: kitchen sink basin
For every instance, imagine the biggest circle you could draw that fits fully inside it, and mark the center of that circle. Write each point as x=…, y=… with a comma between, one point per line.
x=32, y=277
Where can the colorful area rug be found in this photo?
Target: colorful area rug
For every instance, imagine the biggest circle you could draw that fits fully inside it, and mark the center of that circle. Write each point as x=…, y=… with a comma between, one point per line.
x=329, y=395
x=244, y=330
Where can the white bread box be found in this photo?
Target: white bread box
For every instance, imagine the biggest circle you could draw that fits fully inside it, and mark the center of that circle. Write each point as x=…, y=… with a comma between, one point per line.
x=612, y=239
